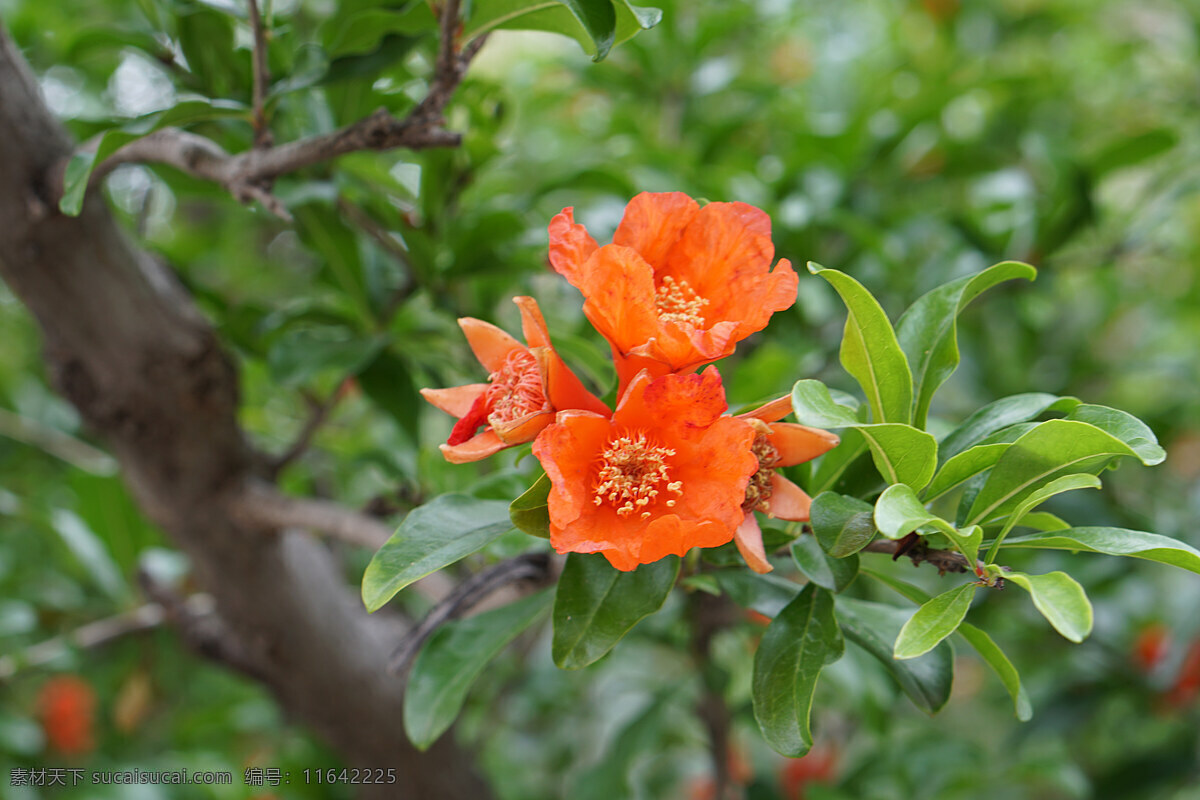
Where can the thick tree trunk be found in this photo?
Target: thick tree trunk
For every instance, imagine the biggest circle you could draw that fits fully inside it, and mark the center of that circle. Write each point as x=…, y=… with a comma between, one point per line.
x=124, y=344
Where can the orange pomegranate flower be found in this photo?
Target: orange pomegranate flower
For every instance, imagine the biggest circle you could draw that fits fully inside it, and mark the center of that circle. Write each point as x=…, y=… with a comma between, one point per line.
x=66, y=705
x=776, y=444
x=526, y=386
x=665, y=474
x=680, y=285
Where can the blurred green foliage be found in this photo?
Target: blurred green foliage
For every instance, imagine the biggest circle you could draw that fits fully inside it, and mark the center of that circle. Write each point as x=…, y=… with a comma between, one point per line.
x=905, y=143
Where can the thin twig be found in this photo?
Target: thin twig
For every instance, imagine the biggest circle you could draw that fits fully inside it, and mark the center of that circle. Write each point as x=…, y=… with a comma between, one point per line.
x=96, y=634
x=530, y=568
x=248, y=175
x=916, y=550
x=319, y=411
x=384, y=239
x=262, y=77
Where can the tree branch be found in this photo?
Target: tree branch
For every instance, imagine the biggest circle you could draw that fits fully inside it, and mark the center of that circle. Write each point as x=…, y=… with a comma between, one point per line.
x=319, y=411
x=248, y=176
x=262, y=76
x=260, y=505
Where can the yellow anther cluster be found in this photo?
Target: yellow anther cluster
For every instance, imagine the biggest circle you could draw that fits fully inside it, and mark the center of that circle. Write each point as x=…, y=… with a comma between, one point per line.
x=516, y=388
x=678, y=302
x=633, y=469
x=758, y=490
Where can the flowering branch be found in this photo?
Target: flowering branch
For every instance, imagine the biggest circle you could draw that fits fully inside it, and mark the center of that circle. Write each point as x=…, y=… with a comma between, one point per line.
x=914, y=548
x=262, y=76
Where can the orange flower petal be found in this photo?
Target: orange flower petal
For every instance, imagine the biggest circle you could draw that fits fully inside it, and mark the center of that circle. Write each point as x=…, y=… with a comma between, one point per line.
x=749, y=541
x=477, y=447
x=564, y=390
x=788, y=501
x=533, y=324
x=685, y=403
x=773, y=411
x=490, y=344
x=723, y=252
x=618, y=286
x=568, y=451
x=799, y=443
x=523, y=429
x=653, y=222
x=715, y=469
x=570, y=246
x=456, y=400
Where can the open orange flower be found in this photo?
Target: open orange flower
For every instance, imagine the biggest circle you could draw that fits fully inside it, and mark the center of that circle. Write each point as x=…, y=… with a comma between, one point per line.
x=680, y=285
x=665, y=474
x=776, y=444
x=526, y=386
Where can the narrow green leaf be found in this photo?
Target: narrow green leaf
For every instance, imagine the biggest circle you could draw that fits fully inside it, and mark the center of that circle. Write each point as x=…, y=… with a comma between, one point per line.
x=611, y=777
x=435, y=535
x=1000, y=664
x=834, y=574
x=902, y=453
x=1044, y=521
x=843, y=525
x=766, y=594
x=531, y=512
x=874, y=627
x=596, y=604
x=801, y=641
x=934, y=621
x=1127, y=150
x=1053, y=448
x=1060, y=599
x=870, y=351
x=999, y=415
x=1066, y=483
x=300, y=354
x=91, y=552
x=453, y=658
x=1115, y=542
x=963, y=467
x=905, y=589
x=1126, y=427
x=928, y=330
x=831, y=467
x=361, y=32
x=387, y=380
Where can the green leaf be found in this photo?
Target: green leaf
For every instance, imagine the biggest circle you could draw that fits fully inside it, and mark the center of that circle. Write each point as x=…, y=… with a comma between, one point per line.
x=1053, y=448
x=1060, y=599
x=934, y=621
x=387, y=381
x=874, y=627
x=435, y=535
x=531, y=512
x=596, y=604
x=831, y=467
x=302, y=353
x=905, y=589
x=843, y=525
x=453, y=658
x=1129, y=150
x=1126, y=427
x=870, y=351
x=206, y=38
x=834, y=574
x=902, y=453
x=1066, y=483
x=593, y=23
x=963, y=467
x=801, y=641
x=928, y=330
x=91, y=552
x=1044, y=521
x=898, y=512
x=1000, y=664
x=612, y=775
x=999, y=415
x=766, y=594
x=1115, y=542
x=362, y=31
x=322, y=229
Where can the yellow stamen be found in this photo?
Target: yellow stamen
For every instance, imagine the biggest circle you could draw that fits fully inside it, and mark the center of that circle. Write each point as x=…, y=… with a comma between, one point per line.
x=678, y=302
x=516, y=388
x=632, y=470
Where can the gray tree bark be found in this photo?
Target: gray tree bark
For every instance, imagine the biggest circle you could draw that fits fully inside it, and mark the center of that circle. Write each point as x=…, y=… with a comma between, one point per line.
x=125, y=345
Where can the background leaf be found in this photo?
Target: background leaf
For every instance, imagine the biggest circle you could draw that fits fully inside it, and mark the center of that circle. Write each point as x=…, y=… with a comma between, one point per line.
x=843, y=525
x=934, y=621
x=1061, y=600
x=833, y=574
x=1114, y=542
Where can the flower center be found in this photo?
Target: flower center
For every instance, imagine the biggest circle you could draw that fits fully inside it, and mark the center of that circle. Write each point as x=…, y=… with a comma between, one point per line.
x=516, y=388
x=758, y=490
x=678, y=302
x=632, y=473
